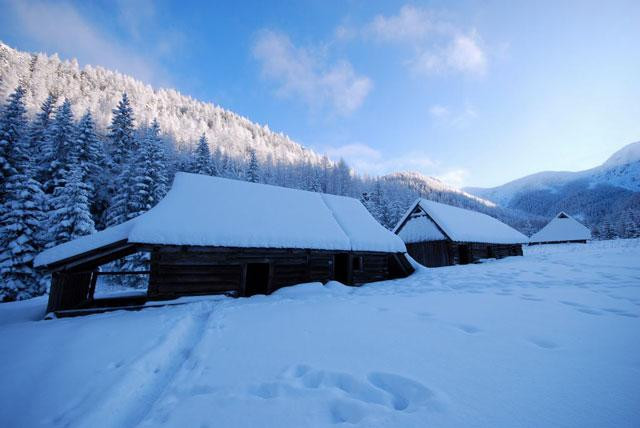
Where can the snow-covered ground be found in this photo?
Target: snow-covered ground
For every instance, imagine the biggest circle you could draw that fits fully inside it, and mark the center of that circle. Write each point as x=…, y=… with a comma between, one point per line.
x=551, y=339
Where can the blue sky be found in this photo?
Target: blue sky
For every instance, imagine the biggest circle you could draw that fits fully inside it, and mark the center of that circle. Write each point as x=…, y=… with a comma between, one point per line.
x=474, y=92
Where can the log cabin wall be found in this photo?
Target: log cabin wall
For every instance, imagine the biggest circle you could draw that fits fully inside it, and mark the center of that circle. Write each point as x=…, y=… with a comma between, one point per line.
x=431, y=253
x=177, y=271
x=447, y=253
x=369, y=268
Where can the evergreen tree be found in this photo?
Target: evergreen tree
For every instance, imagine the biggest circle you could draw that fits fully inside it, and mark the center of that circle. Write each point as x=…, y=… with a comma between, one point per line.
x=20, y=224
x=21, y=215
x=89, y=154
x=122, y=131
x=607, y=232
x=39, y=132
x=13, y=122
x=253, y=169
x=631, y=228
x=57, y=148
x=122, y=206
x=159, y=164
x=203, y=164
x=70, y=217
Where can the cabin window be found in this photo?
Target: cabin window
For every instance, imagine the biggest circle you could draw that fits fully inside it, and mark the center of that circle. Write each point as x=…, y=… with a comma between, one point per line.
x=357, y=263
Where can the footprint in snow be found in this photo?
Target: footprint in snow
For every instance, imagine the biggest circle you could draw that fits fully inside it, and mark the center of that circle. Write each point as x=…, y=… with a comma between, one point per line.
x=620, y=312
x=469, y=329
x=349, y=395
x=543, y=343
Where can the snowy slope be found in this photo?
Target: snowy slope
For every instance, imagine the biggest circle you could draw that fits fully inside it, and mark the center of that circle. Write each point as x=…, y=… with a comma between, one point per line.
x=180, y=117
x=608, y=191
x=550, y=339
x=622, y=170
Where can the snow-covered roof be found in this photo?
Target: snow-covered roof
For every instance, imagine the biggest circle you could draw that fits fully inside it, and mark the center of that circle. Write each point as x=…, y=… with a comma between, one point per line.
x=457, y=224
x=213, y=211
x=562, y=228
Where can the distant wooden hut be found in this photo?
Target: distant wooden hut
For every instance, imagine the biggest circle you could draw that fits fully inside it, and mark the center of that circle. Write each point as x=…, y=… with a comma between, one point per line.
x=212, y=235
x=562, y=229
x=442, y=235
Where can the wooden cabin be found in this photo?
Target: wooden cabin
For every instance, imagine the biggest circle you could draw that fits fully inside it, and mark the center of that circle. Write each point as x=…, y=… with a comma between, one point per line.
x=212, y=235
x=442, y=235
x=562, y=229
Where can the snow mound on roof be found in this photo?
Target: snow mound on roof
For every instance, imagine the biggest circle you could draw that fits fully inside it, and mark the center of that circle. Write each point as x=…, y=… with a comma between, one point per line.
x=203, y=210
x=364, y=232
x=463, y=225
x=562, y=228
x=213, y=211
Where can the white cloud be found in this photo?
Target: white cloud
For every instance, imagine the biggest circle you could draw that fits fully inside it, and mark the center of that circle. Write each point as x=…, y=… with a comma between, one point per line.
x=410, y=24
x=454, y=177
x=135, y=15
x=60, y=27
x=462, y=54
x=366, y=159
x=438, y=45
x=453, y=117
x=438, y=111
x=302, y=72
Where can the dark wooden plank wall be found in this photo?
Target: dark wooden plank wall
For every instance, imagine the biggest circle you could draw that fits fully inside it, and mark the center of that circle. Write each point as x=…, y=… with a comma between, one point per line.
x=69, y=290
x=431, y=253
x=375, y=267
x=176, y=271
x=446, y=253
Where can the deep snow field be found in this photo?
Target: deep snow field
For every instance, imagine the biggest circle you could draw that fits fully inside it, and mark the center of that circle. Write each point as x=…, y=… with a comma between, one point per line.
x=551, y=339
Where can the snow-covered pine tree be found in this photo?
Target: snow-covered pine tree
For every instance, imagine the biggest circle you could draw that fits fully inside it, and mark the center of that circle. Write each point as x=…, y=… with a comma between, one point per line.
x=253, y=169
x=121, y=205
x=607, y=232
x=630, y=225
x=89, y=153
x=159, y=169
x=57, y=148
x=20, y=225
x=21, y=215
x=13, y=123
x=203, y=161
x=122, y=131
x=39, y=131
x=70, y=216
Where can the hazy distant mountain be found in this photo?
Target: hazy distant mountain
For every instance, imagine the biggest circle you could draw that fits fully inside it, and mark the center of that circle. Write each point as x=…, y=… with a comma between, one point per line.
x=608, y=191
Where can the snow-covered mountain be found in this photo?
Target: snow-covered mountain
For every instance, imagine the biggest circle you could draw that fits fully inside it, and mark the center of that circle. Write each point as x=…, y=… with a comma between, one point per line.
x=182, y=118
x=606, y=191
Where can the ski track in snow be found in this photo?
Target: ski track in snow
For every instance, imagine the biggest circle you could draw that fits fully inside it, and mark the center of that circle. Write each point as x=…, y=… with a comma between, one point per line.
x=550, y=339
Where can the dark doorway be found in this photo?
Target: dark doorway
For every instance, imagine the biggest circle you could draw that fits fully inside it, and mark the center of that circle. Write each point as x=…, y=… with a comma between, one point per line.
x=257, y=280
x=464, y=253
x=490, y=254
x=341, y=267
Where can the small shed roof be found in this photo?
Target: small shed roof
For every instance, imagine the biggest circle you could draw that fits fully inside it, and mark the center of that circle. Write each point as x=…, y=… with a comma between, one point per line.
x=562, y=228
x=201, y=210
x=456, y=224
